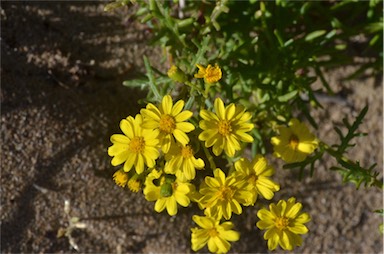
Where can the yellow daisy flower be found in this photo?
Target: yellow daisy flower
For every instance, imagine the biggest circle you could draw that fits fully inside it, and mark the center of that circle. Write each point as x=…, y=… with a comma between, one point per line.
x=216, y=235
x=170, y=120
x=223, y=195
x=225, y=129
x=295, y=142
x=166, y=191
x=284, y=224
x=258, y=174
x=181, y=162
x=137, y=147
x=211, y=74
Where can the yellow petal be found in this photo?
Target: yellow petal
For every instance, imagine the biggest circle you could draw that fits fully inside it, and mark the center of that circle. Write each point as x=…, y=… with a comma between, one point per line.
x=177, y=108
x=185, y=127
x=119, y=138
x=181, y=136
x=219, y=108
x=183, y=116
x=119, y=158
x=166, y=105
x=160, y=205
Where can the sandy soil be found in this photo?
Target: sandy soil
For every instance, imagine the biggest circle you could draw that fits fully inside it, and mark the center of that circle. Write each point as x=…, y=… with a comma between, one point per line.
x=61, y=99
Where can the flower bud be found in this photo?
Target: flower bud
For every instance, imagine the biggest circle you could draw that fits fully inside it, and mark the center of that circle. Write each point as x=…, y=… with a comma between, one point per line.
x=176, y=74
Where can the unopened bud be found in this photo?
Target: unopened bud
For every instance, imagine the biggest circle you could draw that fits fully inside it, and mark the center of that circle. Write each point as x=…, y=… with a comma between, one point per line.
x=176, y=74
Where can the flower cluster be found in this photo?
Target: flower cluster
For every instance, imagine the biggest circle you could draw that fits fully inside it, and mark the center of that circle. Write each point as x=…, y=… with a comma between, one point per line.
x=161, y=150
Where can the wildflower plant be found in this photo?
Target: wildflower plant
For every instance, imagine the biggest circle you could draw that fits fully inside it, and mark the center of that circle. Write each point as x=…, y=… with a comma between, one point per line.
x=236, y=80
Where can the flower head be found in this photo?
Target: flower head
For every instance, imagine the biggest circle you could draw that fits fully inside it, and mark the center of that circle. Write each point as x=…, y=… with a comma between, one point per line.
x=226, y=128
x=223, y=195
x=121, y=178
x=284, y=224
x=216, y=235
x=258, y=174
x=137, y=147
x=182, y=162
x=211, y=74
x=295, y=142
x=166, y=191
x=169, y=120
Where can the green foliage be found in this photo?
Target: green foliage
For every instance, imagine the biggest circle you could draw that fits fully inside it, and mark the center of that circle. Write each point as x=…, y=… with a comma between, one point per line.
x=271, y=53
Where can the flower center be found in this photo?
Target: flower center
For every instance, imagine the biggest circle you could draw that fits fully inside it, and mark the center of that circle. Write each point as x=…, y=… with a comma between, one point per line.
x=281, y=223
x=186, y=152
x=137, y=145
x=213, y=232
x=225, y=193
x=252, y=179
x=224, y=127
x=293, y=141
x=167, y=124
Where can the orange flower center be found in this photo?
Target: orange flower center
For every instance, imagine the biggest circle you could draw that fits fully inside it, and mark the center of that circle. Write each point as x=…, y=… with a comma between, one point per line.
x=281, y=223
x=293, y=141
x=225, y=193
x=186, y=152
x=213, y=232
x=252, y=179
x=167, y=124
x=224, y=127
x=137, y=145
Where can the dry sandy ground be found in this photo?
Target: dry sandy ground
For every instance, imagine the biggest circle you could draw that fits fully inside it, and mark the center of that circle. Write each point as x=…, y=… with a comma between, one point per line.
x=62, y=98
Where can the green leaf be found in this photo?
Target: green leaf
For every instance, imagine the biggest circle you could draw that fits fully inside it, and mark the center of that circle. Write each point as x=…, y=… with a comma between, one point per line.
x=288, y=96
x=315, y=34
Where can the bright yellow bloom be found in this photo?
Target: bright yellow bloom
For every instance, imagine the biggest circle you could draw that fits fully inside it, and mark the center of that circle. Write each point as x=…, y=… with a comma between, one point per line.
x=170, y=120
x=137, y=147
x=181, y=162
x=211, y=74
x=166, y=191
x=295, y=142
x=225, y=128
x=215, y=234
x=284, y=224
x=258, y=175
x=223, y=195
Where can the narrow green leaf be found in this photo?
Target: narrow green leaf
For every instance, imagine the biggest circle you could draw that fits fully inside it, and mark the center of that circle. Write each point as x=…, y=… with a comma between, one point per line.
x=315, y=34
x=288, y=96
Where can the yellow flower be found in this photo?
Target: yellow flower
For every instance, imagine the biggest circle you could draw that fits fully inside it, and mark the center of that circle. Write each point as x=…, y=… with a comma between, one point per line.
x=170, y=120
x=258, y=175
x=137, y=147
x=223, y=195
x=215, y=234
x=284, y=224
x=181, y=161
x=166, y=191
x=295, y=142
x=226, y=128
x=211, y=74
